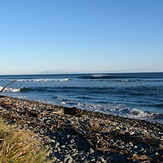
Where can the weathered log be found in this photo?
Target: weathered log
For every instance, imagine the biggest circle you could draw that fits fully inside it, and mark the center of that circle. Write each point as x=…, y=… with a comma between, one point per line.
x=73, y=111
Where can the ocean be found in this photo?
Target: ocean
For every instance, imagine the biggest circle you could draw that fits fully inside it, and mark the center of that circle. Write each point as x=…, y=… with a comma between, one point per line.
x=134, y=95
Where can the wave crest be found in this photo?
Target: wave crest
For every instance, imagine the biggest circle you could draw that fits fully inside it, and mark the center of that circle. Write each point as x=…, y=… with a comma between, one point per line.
x=116, y=109
x=43, y=80
x=14, y=90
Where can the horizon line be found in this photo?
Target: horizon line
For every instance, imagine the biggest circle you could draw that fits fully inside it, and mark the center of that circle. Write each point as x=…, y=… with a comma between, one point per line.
x=71, y=73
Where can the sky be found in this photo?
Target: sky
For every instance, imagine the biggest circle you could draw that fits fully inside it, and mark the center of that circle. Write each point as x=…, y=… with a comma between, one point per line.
x=81, y=36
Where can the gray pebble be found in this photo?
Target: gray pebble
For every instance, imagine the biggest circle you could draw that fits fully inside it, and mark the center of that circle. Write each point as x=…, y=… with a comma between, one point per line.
x=91, y=151
x=102, y=160
x=93, y=160
x=72, y=141
x=85, y=161
x=68, y=136
x=135, y=147
x=56, y=145
x=68, y=159
x=66, y=146
x=130, y=144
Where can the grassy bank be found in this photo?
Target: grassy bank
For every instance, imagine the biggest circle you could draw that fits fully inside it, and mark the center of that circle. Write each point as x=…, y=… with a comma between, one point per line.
x=19, y=146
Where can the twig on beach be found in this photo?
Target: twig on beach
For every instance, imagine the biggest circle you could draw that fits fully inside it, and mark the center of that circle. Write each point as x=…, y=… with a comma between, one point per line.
x=150, y=140
x=84, y=137
x=141, y=158
x=7, y=85
x=112, y=150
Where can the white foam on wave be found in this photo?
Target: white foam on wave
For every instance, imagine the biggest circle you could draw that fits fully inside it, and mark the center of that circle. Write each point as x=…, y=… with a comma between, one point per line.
x=130, y=112
x=139, y=113
x=43, y=80
x=116, y=109
x=14, y=90
x=97, y=76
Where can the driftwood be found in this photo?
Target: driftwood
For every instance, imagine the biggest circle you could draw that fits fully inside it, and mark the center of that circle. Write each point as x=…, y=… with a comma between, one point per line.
x=148, y=140
x=73, y=111
x=7, y=85
x=141, y=158
x=112, y=150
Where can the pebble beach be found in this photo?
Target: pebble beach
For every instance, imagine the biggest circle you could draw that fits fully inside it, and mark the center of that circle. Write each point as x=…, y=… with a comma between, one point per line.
x=72, y=135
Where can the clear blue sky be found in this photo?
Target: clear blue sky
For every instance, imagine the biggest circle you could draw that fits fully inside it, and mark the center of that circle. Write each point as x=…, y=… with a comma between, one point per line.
x=74, y=36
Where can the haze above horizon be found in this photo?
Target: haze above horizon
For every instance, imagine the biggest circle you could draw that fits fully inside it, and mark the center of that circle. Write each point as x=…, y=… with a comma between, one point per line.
x=39, y=36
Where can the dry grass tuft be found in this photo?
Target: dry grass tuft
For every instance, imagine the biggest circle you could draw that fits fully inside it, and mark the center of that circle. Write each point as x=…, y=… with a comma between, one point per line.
x=19, y=146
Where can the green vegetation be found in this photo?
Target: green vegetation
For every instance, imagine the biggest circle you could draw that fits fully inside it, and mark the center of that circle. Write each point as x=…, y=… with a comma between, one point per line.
x=19, y=146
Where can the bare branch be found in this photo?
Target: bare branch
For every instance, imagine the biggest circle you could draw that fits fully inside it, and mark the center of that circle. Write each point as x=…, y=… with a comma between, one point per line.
x=7, y=85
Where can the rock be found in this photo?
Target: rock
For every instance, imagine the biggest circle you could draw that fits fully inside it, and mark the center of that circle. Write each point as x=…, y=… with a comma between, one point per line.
x=130, y=144
x=135, y=147
x=102, y=160
x=93, y=160
x=54, y=159
x=56, y=145
x=72, y=141
x=68, y=159
x=91, y=151
x=85, y=161
x=127, y=134
x=69, y=136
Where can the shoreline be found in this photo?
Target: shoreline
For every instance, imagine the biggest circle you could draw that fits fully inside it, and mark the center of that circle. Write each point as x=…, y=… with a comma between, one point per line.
x=75, y=135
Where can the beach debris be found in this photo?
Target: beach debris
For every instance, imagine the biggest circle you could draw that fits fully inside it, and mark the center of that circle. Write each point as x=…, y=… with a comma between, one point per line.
x=73, y=111
x=72, y=134
x=58, y=112
x=141, y=158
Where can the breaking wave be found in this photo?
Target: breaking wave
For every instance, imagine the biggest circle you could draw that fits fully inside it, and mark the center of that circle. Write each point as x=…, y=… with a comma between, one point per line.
x=43, y=80
x=133, y=95
x=123, y=77
x=117, y=109
x=13, y=90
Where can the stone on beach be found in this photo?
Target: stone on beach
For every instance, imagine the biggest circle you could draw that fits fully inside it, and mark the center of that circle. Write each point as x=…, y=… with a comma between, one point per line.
x=74, y=135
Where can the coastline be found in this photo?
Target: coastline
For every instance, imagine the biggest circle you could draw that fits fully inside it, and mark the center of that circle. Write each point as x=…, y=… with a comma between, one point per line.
x=74, y=135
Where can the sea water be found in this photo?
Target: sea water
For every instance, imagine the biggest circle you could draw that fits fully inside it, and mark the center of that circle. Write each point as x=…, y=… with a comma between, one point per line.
x=134, y=95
